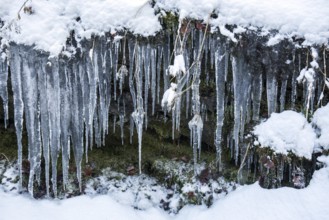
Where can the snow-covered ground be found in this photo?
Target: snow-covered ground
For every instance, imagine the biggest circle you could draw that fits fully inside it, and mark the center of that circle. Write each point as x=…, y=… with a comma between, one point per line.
x=246, y=202
x=47, y=24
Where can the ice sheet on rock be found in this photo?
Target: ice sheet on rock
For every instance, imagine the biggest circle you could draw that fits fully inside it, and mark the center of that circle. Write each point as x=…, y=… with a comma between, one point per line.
x=285, y=132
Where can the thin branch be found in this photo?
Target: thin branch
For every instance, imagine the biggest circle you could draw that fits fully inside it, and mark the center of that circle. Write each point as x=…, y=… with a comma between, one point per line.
x=19, y=11
x=243, y=161
x=5, y=157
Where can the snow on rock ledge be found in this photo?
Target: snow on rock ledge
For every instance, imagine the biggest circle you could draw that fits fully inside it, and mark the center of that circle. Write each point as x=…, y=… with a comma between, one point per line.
x=321, y=122
x=48, y=24
x=287, y=131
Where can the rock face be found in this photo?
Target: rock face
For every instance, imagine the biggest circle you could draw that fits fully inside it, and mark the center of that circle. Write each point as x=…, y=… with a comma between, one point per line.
x=221, y=89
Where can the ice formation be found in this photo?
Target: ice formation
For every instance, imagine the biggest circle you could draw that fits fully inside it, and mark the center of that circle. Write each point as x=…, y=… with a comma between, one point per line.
x=64, y=93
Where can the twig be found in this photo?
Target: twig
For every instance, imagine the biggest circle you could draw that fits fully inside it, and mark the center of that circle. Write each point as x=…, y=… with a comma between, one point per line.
x=5, y=156
x=19, y=11
x=140, y=8
x=203, y=40
x=242, y=163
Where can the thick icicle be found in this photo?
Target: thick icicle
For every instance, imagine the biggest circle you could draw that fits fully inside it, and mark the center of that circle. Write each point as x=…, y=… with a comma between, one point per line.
x=77, y=121
x=242, y=87
x=196, y=124
x=65, y=118
x=220, y=57
x=16, y=83
x=42, y=86
x=53, y=96
x=30, y=99
x=138, y=114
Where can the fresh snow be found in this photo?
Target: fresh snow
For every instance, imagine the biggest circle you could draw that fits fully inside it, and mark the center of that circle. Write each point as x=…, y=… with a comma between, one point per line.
x=287, y=131
x=51, y=22
x=246, y=202
x=321, y=122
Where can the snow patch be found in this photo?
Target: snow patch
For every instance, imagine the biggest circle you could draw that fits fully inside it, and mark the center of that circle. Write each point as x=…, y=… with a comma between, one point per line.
x=287, y=131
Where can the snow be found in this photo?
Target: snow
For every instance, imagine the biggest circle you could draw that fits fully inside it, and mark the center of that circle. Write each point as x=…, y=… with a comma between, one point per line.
x=252, y=202
x=321, y=122
x=169, y=97
x=179, y=66
x=287, y=131
x=50, y=23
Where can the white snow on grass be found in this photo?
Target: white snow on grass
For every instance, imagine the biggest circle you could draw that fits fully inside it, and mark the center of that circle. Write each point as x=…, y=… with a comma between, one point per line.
x=321, y=122
x=51, y=22
x=287, y=131
x=247, y=202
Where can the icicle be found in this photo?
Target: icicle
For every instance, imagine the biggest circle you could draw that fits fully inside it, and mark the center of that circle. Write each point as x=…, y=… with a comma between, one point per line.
x=114, y=123
x=132, y=51
x=123, y=71
x=131, y=128
x=65, y=117
x=16, y=83
x=84, y=81
x=115, y=56
x=257, y=89
x=220, y=57
x=280, y=170
x=242, y=87
x=283, y=92
x=122, y=113
x=77, y=123
x=154, y=75
x=188, y=95
x=30, y=99
x=102, y=84
x=53, y=96
x=293, y=82
x=42, y=86
x=166, y=61
x=146, y=61
x=138, y=114
x=159, y=62
x=3, y=85
x=196, y=124
x=227, y=57
x=271, y=91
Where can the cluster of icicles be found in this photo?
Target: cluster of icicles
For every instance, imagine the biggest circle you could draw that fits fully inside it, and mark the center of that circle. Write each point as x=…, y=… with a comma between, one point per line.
x=65, y=101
